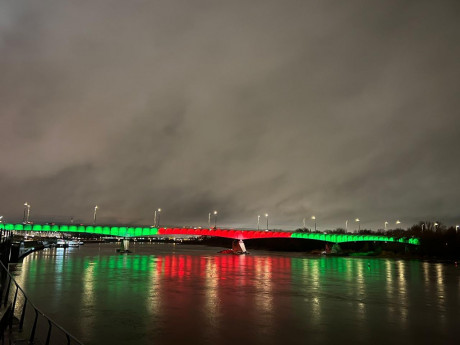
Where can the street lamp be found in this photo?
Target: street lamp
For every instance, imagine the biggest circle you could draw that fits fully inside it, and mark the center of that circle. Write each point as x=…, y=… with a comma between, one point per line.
x=258, y=222
x=94, y=215
x=398, y=222
x=346, y=225
x=386, y=223
x=435, y=225
x=1, y=219
x=266, y=216
x=158, y=217
x=304, y=223
x=457, y=227
x=25, y=218
x=314, y=218
x=359, y=225
x=215, y=219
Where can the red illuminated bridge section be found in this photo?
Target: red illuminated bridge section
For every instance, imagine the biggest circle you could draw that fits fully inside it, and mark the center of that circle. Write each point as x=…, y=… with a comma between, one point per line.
x=227, y=233
x=128, y=231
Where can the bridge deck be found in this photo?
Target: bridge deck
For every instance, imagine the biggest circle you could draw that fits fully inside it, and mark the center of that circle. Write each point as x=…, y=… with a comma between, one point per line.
x=127, y=231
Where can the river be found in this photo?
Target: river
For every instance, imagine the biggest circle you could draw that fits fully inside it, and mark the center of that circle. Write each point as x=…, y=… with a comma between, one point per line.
x=188, y=294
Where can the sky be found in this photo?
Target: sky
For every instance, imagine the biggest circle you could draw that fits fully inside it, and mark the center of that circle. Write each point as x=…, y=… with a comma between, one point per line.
x=337, y=109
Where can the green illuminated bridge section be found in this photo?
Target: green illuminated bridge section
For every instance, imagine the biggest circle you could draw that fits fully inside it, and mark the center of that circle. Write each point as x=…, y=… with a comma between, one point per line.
x=127, y=231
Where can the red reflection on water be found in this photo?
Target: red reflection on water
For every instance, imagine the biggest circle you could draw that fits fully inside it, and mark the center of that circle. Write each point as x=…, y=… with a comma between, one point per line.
x=200, y=294
x=172, y=266
x=219, y=273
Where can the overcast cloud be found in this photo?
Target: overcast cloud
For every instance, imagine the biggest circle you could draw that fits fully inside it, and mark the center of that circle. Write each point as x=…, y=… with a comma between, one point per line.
x=339, y=109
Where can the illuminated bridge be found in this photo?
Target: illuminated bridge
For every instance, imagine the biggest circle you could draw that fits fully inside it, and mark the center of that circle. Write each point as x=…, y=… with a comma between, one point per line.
x=125, y=231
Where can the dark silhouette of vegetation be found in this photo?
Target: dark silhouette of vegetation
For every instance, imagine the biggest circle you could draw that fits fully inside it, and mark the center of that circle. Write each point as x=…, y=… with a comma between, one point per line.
x=437, y=241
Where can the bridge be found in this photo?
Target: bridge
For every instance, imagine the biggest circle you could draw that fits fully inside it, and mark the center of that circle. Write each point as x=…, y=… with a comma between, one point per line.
x=128, y=231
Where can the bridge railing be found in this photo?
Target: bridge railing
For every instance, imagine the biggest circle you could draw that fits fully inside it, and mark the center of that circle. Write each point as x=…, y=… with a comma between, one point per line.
x=23, y=321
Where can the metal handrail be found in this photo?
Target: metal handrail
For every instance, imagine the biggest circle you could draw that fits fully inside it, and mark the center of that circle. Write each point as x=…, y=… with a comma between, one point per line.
x=10, y=307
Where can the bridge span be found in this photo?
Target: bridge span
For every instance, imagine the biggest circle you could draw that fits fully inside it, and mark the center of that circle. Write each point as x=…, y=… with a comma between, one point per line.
x=132, y=231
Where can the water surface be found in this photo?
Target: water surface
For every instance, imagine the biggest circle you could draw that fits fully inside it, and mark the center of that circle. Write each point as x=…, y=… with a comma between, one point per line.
x=177, y=294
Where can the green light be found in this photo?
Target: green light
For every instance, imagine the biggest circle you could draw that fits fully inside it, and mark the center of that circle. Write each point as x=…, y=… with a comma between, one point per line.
x=342, y=238
x=415, y=241
x=122, y=231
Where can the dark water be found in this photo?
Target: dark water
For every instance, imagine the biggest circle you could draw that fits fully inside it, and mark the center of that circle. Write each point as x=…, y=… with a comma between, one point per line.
x=179, y=294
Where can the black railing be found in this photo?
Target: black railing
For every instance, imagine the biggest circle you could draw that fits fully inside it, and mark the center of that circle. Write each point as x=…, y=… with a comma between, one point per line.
x=23, y=320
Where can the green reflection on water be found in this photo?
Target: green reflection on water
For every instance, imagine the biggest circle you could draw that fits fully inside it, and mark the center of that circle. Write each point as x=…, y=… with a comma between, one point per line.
x=308, y=295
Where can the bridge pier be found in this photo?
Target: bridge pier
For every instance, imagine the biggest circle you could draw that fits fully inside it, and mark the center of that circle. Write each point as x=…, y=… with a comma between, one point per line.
x=336, y=249
x=124, y=245
x=238, y=247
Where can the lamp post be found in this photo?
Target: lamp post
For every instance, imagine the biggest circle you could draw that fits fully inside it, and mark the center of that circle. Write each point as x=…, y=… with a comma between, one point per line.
x=304, y=223
x=158, y=217
x=385, y=227
x=95, y=214
x=314, y=218
x=215, y=219
x=398, y=222
x=435, y=225
x=258, y=222
x=24, y=216
x=346, y=225
x=266, y=216
x=359, y=225
x=457, y=227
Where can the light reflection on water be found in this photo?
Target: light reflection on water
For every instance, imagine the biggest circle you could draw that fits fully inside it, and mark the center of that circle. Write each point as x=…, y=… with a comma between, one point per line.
x=164, y=294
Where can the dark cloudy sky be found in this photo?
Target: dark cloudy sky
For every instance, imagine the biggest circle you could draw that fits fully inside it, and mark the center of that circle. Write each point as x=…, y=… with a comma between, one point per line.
x=339, y=109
